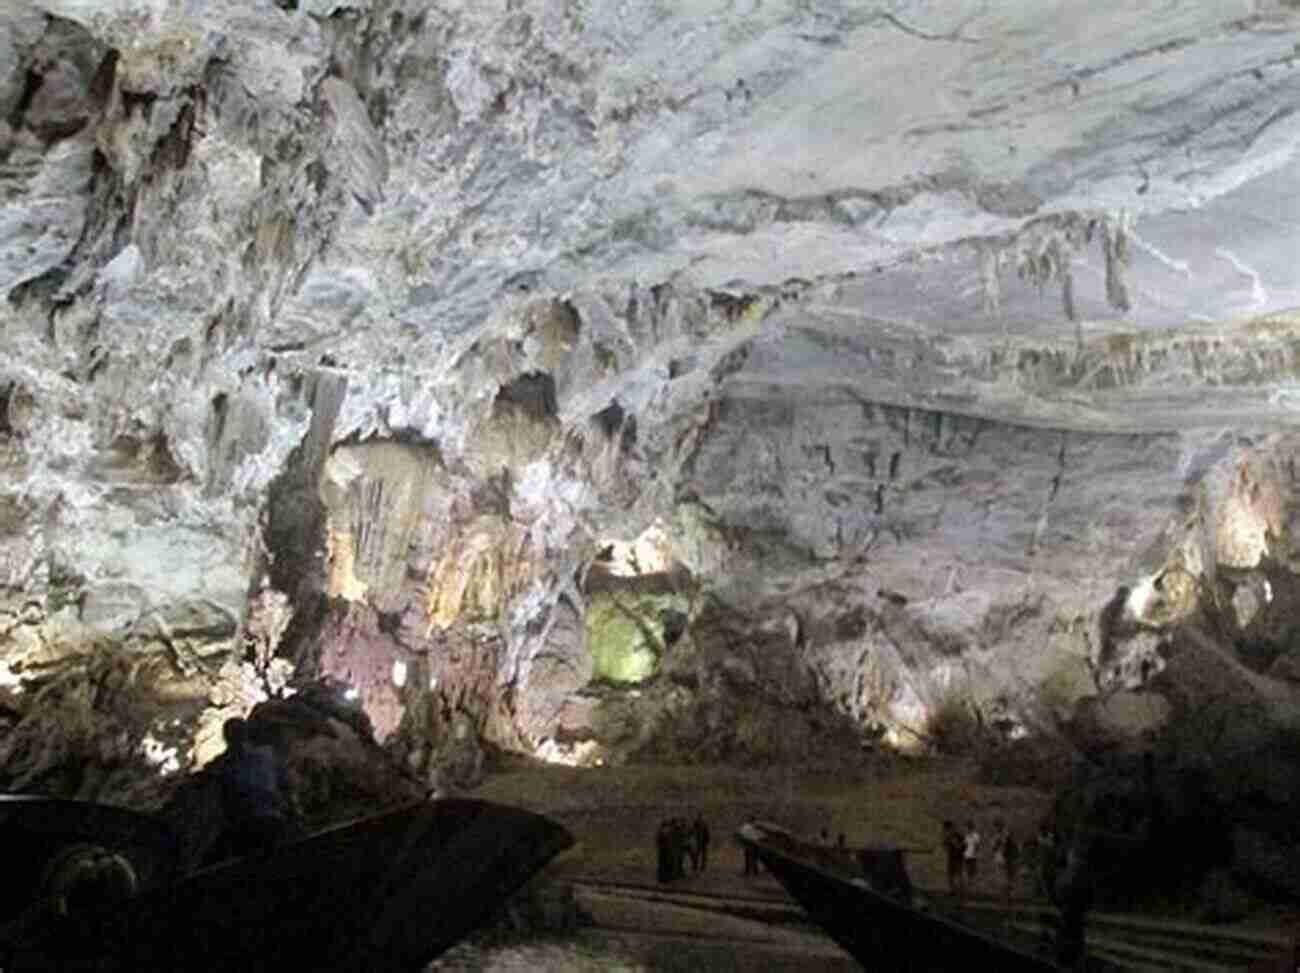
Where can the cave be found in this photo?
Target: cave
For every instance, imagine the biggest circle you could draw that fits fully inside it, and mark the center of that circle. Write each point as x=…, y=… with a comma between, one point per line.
x=795, y=398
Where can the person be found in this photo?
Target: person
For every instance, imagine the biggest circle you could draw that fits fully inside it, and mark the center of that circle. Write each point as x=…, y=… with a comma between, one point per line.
x=1029, y=858
x=885, y=871
x=84, y=877
x=1045, y=846
x=701, y=828
x=1006, y=855
x=1074, y=898
x=1010, y=864
x=76, y=920
x=255, y=794
x=751, y=858
x=683, y=842
x=663, y=843
x=998, y=843
x=953, y=847
x=971, y=853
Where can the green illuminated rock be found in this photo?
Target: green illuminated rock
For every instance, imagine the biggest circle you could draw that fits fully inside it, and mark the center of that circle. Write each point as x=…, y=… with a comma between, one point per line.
x=625, y=634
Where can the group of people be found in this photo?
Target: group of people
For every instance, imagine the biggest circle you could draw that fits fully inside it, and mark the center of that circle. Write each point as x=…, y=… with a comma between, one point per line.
x=1011, y=856
x=679, y=841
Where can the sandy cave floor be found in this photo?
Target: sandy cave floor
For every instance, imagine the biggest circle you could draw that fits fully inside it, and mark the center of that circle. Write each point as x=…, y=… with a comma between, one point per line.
x=614, y=812
x=639, y=925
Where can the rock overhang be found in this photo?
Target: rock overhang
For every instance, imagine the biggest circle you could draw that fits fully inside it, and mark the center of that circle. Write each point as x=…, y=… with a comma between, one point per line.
x=1065, y=223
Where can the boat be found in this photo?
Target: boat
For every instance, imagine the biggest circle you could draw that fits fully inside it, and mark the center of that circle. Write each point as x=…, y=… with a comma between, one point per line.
x=389, y=892
x=881, y=930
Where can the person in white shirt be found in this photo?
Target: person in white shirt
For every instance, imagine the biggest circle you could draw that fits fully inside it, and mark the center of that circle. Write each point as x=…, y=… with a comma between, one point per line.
x=971, y=852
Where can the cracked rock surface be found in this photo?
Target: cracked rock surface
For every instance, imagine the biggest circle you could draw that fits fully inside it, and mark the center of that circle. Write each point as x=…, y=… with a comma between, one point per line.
x=691, y=380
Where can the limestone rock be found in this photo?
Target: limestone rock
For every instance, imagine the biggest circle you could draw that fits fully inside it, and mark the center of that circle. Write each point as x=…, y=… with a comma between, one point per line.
x=418, y=312
x=336, y=771
x=1121, y=719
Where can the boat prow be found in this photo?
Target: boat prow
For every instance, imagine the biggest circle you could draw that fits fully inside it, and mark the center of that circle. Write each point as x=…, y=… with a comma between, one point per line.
x=386, y=893
x=880, y=931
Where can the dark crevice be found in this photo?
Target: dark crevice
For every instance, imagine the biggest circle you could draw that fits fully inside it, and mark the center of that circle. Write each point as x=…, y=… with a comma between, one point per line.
x=295, y=516
x=609, y=420
x=173, y=149
x=629, y=434
x=220, y=411
x=96, y=367
x=730, y=306
x=1113, y=626
x=31, y=84
x=492, y=496
x=311, y=611
x=105, y=76
x=138, y=101
x=105, y=207
x=6, y=423
x=40, y=288
x=533, y=394
x=162, y=462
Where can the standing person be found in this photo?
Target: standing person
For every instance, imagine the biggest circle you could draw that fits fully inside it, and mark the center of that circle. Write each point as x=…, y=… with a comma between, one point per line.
x=1074, y=897
x=1045, y=847
x=953, y=848
x=701, y=842
x=692, y=844
x=685, y=844
x=676, y=848
x=751, y=859
x=663, y=844
x=1029, y=859
x=971, y=853
x=998, y=843
x=1010, y=863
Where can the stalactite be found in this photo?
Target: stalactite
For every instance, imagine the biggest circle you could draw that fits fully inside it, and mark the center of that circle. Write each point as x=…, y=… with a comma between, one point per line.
x=1042, y=253
x=1067, y=293
x=990, y=285
x=1115, y=247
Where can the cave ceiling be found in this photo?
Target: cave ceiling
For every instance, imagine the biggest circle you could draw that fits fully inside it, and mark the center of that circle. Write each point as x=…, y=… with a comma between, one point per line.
x=420, y=304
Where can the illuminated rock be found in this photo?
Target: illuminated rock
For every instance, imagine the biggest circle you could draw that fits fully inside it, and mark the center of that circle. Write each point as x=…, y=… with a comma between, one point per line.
x=418, y=317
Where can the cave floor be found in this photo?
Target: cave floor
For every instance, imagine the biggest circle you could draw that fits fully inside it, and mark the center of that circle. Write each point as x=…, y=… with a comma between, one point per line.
x=720, y=919
x=873, y=800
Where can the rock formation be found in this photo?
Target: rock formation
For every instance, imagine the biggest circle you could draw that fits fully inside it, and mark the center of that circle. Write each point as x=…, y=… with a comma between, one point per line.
x=608, y=382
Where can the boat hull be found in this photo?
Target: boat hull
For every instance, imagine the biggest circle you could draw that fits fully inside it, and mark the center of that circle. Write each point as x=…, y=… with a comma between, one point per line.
x=882, y=933
x=387, y=893
x=37, y=829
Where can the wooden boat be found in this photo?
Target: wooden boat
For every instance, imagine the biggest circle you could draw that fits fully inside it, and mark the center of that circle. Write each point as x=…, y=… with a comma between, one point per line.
x=386, y=893
x=880, y=931
x=38, y=833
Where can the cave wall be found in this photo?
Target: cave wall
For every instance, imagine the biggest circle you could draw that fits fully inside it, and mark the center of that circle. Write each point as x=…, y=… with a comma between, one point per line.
x=502, y=351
